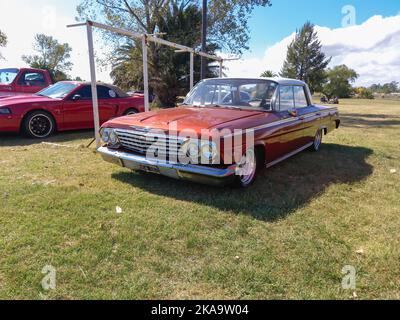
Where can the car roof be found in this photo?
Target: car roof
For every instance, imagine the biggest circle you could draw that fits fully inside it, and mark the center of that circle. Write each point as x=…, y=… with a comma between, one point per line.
x=119, y=91
x=282, y=81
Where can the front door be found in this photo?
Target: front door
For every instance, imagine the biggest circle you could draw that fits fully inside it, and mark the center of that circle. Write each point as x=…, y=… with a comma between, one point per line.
x=78, y=109
x=286, y=137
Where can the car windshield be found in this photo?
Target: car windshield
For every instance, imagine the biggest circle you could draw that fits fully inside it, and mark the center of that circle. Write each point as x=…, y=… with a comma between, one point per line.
x=7, y=76
x=58, y=91
x=239, y=93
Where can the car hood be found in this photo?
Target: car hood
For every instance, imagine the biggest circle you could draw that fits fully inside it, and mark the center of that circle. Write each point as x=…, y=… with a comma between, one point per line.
x=184, y=118
x=23, y=99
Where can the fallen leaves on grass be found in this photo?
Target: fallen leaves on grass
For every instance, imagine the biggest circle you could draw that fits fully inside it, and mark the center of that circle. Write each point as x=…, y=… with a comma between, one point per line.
x=360, y=251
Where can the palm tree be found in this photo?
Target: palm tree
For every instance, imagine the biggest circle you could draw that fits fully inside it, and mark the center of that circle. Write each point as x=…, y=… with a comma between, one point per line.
x=268, y=74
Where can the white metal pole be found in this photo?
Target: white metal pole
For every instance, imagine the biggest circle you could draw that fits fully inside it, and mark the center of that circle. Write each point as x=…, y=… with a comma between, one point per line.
x=220, y=68
x=191, y=70
x=94, y=85
x=145, y=75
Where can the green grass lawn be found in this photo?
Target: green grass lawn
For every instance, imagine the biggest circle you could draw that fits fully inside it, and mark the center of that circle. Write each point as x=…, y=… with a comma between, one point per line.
x=289, y=236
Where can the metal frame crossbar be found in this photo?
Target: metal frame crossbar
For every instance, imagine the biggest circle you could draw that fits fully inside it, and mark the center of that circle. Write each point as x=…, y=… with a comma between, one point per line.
x=145, y=38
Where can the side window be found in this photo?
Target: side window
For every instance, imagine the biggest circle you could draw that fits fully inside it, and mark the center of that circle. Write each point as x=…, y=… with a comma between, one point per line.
x=32, y=79
x=286, y=98
x=106, y=93
x=85, y=93
x=300, y=99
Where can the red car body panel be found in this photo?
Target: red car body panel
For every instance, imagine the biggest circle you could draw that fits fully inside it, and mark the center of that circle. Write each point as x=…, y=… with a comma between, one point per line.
x=16, y=88
x=279, y=133
x=69, y=114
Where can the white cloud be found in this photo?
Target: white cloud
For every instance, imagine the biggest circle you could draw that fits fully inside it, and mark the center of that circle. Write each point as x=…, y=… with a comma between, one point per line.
x=372, y=49
x=21, y=20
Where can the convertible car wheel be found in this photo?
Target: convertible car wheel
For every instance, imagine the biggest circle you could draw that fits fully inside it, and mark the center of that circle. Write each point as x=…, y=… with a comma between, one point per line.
x=247, y=169
x=39, y=125
x=317, y=141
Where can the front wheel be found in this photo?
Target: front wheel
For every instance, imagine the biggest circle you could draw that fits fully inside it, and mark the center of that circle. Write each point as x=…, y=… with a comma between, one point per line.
x=39, y=125
x=246, y=171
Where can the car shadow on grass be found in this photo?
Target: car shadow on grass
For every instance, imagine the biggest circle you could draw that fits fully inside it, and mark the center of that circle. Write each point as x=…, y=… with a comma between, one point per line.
x=15, y=139
x=277, y=192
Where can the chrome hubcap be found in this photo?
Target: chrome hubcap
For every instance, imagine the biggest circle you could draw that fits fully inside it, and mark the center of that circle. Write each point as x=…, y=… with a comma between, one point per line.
x=247, y=167
x=40, y=125
x=318, y=140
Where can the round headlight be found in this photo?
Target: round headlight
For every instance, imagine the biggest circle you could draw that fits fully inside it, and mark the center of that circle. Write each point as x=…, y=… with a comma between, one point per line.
x=113, y=138
x=193, y=150
x=208, y=150
x=105, y=135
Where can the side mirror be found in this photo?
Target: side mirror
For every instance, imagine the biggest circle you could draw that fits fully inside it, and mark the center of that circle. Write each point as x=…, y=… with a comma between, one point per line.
x=76, y=97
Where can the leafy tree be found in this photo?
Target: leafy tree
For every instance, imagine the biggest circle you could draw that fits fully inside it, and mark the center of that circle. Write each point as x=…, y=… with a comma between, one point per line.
x=268, y=74
x=52, y=56
x=339, y=80
x=305, y=59
x=3, y=41
x=364, y=93
x=180, y=20
x=169, y=71
x=227, y=20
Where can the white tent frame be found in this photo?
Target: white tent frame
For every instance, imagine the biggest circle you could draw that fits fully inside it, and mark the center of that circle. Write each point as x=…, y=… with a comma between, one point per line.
x=145, y=38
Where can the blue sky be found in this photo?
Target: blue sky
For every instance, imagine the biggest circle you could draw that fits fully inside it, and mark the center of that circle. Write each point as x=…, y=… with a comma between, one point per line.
x=270, y=24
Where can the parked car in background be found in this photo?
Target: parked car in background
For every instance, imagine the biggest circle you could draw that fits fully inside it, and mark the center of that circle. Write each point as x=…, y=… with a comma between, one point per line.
x=141, y=92
x=23, y=81
x=277, y=114
x=66, y=105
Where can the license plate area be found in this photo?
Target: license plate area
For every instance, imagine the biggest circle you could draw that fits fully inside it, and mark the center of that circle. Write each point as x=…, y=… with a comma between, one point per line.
x=150, y=169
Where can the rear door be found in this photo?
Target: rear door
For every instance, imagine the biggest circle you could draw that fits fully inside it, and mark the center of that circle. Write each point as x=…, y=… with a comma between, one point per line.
x=31, y=82
x=307, y=113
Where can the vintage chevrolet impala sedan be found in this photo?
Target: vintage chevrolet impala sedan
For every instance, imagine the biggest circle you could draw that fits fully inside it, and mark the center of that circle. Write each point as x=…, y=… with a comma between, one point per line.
x=224, y=132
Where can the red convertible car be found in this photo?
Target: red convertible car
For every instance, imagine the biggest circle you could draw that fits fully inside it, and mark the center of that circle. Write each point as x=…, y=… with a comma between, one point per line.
x=225, y=131
x=67, y=105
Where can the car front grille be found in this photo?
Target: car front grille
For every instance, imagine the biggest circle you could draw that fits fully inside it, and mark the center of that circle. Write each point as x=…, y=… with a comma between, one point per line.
x=141, y=142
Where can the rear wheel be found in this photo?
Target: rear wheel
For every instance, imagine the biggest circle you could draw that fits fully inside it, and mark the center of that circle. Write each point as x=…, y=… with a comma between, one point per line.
x=317, y=141
x=39, y=125
x=246, y=171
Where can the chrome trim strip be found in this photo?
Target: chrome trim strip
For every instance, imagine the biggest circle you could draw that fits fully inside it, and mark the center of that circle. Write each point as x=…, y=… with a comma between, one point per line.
x=323, y=113
x=289, y=155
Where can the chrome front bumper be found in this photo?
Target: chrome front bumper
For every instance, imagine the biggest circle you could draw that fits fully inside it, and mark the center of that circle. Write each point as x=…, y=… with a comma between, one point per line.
x=190, y=172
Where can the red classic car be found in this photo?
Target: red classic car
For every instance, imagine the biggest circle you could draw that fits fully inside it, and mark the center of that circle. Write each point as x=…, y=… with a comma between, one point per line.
x=14, y=82
x=67, y=105
x=225, y=131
